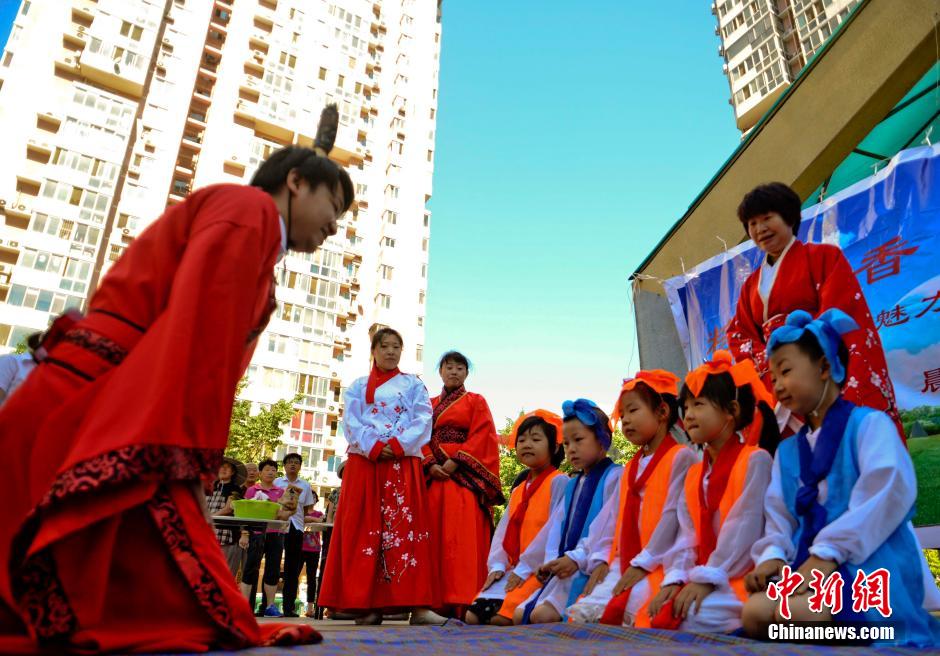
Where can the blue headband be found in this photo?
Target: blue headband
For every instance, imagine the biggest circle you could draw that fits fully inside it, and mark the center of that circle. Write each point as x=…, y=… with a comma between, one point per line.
x=827, y=328
x=583, y=411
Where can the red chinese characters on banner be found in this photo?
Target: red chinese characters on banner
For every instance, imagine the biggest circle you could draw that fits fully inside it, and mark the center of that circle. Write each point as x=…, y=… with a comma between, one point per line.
x=898, y=315
x=885, y=261
x=869, y=591
x=931, y=380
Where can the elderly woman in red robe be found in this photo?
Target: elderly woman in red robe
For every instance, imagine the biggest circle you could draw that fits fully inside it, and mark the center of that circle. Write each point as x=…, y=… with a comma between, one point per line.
x=105, y=543
x=810, y=277
x=462, y=465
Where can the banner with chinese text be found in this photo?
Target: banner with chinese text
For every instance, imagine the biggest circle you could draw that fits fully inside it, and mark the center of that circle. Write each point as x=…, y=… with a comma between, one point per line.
x=888, y=225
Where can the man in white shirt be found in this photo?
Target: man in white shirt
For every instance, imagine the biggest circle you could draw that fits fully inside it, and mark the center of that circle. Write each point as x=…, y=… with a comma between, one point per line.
x=293, y=539
x=15, y=367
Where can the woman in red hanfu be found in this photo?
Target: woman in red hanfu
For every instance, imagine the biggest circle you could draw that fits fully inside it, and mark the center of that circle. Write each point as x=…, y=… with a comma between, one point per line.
x=380, y=553
x=811, y=277
x=105, y=543
x=462, y=465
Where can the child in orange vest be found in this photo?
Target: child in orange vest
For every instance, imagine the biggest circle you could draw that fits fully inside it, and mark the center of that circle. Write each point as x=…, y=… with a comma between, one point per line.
x=721, y=512
x=518, y=544
x=632, y=550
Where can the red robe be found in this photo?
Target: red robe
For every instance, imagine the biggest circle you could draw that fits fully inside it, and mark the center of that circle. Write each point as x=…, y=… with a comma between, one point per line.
x=104, y=543
x=460, y=517
x=815, y=278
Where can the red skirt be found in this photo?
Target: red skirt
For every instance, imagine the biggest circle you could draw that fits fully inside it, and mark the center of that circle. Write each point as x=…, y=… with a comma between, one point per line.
x=104, y=547
x=460, y=538
x=380, y=551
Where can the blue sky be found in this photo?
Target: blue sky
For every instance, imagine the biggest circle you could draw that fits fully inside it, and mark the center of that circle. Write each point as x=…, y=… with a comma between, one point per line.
x=569, y=139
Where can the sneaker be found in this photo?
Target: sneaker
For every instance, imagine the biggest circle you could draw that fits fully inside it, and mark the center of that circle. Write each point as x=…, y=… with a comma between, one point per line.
x=272, y=611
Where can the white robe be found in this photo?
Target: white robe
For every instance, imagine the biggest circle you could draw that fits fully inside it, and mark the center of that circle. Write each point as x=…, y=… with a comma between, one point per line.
x=531, y=558
x=556, y=591
x=402, y=409
x=660, y=550
x=744, y=525
x=885, y=487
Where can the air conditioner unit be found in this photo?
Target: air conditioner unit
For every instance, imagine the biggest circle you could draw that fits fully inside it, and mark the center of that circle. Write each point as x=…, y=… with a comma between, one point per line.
x=126, y=231
x=332, y=408
x=81, y=30
x=14, y=244
x=334, y=374
x=161, y=62
x=166, y=42
x=234, y=158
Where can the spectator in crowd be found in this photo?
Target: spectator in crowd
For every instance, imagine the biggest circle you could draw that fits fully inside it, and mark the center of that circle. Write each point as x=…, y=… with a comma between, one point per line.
x=293, y=539
x=268, y=544
x=15, y=367
x=311, y=556
x=231, y=476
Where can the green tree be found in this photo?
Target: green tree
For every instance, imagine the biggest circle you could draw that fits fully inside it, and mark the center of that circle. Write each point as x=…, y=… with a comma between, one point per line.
x=253, y=436
x=21, y=347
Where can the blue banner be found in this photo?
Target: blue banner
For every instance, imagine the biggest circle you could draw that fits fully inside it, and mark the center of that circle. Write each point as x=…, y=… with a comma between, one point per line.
x=888, y=225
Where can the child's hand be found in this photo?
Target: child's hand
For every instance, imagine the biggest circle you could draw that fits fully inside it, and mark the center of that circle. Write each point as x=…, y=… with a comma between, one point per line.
x=492, y=578
x=450, y=467
x=513, y=582
x=756, y=580
x=599, y=574
x=826, y=567
x=665, y=593
x=243, y=540
x=387, y=453
x=630, y=578
x=561, y=567
x=692, y=595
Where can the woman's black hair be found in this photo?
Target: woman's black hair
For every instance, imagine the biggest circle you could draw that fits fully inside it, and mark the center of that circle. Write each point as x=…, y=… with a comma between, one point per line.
x=267, y=462
x=314, y=169
x=809, y=345
x=772, y=197
x=601, y=427
x=653, y=399
x=558, y=455
x=453, y=356
x=382, y=333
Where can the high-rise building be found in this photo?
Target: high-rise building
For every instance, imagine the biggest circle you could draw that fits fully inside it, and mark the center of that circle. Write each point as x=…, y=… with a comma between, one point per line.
x=114, y=109
x=765, y=44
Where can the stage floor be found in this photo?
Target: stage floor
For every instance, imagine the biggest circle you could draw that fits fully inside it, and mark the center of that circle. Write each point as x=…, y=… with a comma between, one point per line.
x=344, y=638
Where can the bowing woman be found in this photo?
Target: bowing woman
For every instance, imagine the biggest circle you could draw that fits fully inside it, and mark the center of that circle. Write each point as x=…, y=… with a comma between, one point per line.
x=104, y=544
x=462, y=465
x=380, y=552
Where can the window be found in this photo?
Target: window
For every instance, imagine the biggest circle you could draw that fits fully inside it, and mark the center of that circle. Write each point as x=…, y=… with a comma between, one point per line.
x=424, y=244
x=391, y=217
x=427, y=220
x=421, y=297
x=115, y=252
x=383, y=301
x=388, y=241
x=75, y=278
x=322, y=75
x=419, y=352
x=385, y=272
x=132, y=31
x=41, y=261
x=424, y=270
x=420, y=321
x=391, y=191
x=430, y=155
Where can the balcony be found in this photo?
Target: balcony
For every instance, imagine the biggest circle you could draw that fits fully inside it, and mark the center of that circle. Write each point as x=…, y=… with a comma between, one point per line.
x=85, y=9
x=114, y=67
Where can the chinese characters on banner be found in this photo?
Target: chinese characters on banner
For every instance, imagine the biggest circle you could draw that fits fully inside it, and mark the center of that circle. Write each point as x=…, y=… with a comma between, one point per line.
x=888, y=226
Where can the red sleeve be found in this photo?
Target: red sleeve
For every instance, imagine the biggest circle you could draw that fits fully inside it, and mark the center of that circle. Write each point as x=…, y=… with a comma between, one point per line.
x=376, y=451
x=478, y=457
x=745, y=338
x=188, y=362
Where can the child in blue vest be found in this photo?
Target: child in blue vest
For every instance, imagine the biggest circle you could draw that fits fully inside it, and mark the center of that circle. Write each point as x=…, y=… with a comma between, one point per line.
x=587, y=438
x=840, y=500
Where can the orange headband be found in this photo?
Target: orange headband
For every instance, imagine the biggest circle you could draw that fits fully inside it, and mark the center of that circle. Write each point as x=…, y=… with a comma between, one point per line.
x=546, y=416
x=659, y=380
x=743, y=374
